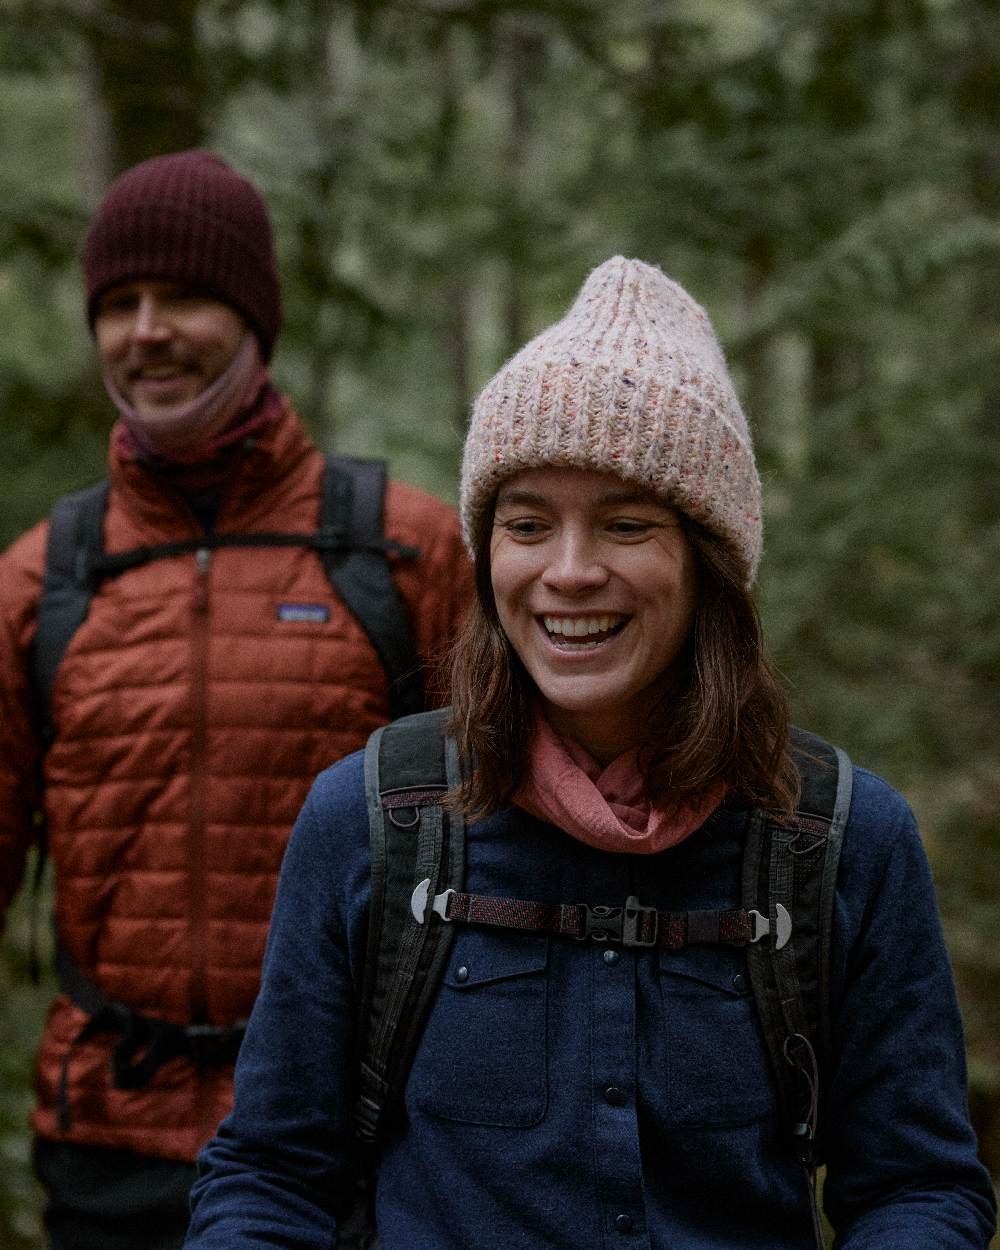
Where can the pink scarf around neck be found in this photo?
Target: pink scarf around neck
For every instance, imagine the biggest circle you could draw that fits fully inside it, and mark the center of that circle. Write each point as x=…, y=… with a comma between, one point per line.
x=606, y=808
x=225, y=412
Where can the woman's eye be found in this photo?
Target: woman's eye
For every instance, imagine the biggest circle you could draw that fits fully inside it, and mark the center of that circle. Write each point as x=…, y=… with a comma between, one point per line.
x=522, y=527
x=628, y=528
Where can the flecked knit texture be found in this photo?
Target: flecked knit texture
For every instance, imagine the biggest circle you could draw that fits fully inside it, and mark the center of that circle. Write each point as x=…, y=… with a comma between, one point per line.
x=632, y=381
x=187, y=217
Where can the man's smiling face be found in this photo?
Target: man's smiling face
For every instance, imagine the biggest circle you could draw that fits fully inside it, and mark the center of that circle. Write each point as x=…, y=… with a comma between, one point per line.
x=162, y=343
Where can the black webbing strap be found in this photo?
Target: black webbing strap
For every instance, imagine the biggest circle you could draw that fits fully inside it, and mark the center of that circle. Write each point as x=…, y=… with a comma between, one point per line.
x=409, y=767
x=353, y=503
x=147, y=1042
x=328, y=542
x=793, y=864
x=631, y=925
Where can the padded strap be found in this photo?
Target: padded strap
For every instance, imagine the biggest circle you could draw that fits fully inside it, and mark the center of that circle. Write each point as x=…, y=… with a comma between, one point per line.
x=353, y=504
x=793, y=863
x=75, y=542
x=409, y=767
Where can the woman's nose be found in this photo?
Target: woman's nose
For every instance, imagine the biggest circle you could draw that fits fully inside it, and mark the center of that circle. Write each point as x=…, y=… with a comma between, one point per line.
x=575, y=566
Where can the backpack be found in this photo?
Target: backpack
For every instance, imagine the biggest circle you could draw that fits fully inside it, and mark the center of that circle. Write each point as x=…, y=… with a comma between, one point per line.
x=349, y=540
x=418, y=855
x=351, y=543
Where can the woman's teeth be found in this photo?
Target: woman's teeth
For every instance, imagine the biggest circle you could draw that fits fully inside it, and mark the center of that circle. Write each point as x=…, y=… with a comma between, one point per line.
x=590, y=630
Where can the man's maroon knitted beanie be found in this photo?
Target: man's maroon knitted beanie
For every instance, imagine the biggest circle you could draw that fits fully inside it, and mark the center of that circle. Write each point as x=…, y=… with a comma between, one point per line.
x=187, y=217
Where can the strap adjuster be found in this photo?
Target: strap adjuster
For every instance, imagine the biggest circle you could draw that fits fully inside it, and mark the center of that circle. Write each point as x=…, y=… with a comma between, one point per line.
x=420, y=899
x=760, y=926
x=642, y=924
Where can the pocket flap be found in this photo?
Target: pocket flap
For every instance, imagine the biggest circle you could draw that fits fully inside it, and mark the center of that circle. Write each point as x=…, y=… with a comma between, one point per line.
x=719, y=968
x=480, y=956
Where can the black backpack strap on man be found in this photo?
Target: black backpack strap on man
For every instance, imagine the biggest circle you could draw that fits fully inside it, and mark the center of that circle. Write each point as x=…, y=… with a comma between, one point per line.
x=785, y=922
x=354, y=554
x=76, y=536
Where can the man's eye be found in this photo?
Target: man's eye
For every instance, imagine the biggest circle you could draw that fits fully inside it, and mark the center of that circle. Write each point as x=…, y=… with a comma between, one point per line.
x=119, y=304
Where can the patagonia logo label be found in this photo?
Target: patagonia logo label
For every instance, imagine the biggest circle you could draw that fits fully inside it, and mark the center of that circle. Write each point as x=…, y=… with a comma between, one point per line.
x=314, y=613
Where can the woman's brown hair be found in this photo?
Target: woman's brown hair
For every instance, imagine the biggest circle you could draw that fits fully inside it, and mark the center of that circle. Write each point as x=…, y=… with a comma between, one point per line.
x=727, y=716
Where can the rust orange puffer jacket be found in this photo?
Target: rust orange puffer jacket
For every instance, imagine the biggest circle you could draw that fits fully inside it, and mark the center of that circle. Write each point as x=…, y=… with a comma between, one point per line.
x=191, y=720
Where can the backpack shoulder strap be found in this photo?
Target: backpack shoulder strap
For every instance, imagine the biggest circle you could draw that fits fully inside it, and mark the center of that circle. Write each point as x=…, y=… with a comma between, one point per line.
x=353, y=507
x=75, y=543
x=792, y=864
x=417, y=850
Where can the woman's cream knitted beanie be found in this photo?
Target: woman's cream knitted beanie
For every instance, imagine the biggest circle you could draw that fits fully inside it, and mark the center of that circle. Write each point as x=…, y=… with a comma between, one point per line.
x=632, y=381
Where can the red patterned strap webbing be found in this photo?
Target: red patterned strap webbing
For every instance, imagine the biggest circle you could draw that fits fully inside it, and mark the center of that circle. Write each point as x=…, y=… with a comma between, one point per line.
x=515, y=913
x=630, y=925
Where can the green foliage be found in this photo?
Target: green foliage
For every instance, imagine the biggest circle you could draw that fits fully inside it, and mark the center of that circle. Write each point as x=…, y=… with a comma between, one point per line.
x=442, y=175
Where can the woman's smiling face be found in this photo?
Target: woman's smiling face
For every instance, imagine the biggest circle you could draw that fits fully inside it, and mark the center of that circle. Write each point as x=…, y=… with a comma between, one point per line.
x=594, y=583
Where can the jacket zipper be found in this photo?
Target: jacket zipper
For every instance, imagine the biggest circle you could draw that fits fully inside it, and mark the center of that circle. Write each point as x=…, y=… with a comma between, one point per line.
x=199, y=770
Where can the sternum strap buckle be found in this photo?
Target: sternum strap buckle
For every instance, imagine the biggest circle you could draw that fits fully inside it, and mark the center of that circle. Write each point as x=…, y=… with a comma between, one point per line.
x=631, y=925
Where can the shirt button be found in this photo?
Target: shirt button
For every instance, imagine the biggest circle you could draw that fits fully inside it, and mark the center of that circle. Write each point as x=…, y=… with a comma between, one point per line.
x=462, y=974
x=614, y=1096
x=611, y=957
x=739, y=983
x=623, y=1223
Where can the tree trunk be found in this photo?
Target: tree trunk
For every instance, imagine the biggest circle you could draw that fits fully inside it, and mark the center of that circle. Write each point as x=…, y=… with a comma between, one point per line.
x=150, y=77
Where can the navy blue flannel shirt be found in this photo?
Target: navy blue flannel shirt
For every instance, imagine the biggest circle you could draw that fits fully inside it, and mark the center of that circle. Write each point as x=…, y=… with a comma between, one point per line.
x=567, y=1096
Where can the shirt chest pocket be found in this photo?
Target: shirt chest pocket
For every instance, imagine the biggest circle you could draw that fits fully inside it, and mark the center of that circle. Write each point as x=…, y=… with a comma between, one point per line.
x=715, y=1057
x=483, y=1055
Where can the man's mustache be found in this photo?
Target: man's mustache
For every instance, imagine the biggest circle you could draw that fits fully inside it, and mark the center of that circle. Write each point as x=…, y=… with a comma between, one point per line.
x=148, y=358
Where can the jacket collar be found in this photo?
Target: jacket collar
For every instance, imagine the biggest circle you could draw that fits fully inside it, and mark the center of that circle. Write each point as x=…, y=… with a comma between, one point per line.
x=251, y=471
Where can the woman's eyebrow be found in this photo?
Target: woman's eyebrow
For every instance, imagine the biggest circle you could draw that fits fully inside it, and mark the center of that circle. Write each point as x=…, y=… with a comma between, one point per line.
x=522, y=498
x=618, y=499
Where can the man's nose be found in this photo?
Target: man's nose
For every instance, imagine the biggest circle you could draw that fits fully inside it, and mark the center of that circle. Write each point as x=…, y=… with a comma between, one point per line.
x=150, y=324
x=576, y=565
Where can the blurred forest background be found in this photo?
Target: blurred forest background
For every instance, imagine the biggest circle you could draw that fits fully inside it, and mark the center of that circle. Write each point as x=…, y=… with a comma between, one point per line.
x=824, y=175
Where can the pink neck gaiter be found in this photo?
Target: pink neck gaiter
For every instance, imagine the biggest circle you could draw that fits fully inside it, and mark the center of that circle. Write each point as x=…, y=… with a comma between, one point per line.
x=605, y=808
x=208, y=423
